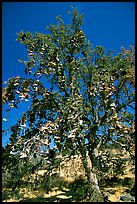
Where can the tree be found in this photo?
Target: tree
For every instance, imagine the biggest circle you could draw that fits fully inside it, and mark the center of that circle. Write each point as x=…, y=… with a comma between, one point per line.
x=82, y=98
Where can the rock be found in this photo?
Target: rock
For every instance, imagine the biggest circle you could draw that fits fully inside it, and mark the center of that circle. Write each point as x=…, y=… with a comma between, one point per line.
x=127, y=197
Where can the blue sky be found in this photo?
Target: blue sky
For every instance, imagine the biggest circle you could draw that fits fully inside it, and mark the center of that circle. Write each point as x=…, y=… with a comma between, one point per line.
x=110, y=24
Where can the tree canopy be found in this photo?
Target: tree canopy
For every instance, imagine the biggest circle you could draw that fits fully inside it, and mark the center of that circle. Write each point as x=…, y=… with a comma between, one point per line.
x=81, y=98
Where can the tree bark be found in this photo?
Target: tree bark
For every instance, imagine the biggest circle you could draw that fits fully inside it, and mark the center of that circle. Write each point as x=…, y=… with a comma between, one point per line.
x=94, y=181
x=90, y=171
x=93, y=152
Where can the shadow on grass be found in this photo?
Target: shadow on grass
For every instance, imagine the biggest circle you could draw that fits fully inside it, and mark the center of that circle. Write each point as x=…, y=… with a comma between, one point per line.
x=9, y=194
x=6, y=194
x=72, y=194
x=115, y=181
x=54, y=198
x=111, y=182
x=77, y=191
x=65, y=196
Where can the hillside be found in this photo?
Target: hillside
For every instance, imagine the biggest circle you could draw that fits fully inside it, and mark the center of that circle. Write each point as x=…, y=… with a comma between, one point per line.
x=67, y=183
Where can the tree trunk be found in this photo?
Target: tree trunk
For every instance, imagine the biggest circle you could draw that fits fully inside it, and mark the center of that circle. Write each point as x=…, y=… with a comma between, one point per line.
x=90, y=173
x=90, y=170
x=93, y=180
x=93, y=193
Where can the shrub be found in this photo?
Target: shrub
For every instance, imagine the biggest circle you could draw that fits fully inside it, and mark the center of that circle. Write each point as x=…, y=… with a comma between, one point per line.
x=82, y=191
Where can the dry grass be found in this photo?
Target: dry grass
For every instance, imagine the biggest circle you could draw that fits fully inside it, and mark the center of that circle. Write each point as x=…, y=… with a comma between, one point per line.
x=69, y=171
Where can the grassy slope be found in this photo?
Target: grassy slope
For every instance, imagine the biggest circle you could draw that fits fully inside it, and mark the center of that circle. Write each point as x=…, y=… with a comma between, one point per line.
x=62, y=189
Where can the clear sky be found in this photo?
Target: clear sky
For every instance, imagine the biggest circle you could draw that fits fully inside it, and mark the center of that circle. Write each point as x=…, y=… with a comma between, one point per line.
x=110, y=24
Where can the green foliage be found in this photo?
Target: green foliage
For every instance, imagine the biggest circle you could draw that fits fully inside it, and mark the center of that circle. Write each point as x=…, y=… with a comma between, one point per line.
x=7, y=179
x=82, y=190
x=79, y=99
x=111, y=165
